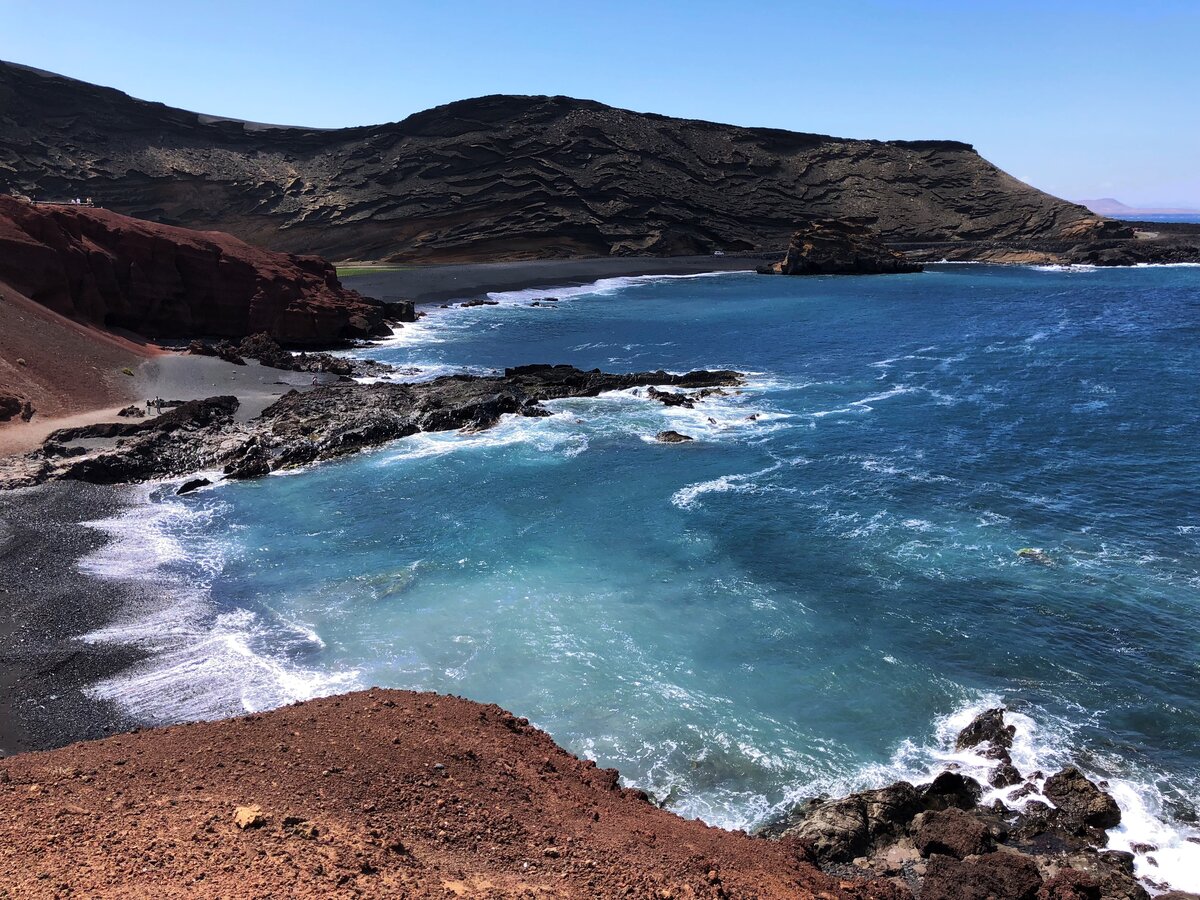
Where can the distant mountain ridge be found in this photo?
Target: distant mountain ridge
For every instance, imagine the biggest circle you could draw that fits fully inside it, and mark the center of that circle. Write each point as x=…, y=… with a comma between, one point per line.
x=500, y=177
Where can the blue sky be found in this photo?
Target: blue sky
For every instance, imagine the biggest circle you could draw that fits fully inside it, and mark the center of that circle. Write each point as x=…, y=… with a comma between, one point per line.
x=1082, y=99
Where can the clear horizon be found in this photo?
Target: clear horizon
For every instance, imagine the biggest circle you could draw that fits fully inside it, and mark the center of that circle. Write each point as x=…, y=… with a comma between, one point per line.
x=1083, y=100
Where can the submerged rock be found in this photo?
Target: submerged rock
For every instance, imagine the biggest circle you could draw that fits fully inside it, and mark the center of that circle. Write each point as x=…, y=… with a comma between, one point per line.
x=672, y=437
x=839, y=247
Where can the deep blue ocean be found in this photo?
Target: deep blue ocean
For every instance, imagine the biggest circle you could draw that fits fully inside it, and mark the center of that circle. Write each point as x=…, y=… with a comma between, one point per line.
x=810, y=598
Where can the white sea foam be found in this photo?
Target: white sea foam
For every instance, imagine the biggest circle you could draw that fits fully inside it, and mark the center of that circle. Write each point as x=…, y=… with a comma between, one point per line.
x=1043, y=744
x=688, y=497
x=203, y=662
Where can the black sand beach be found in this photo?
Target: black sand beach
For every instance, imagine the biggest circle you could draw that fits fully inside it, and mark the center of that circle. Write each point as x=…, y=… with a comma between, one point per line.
x=438, y=283
x=46, y=603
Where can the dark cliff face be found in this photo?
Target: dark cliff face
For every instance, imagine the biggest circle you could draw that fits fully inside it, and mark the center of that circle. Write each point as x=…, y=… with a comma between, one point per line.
x=499, y=176
x=94, y=265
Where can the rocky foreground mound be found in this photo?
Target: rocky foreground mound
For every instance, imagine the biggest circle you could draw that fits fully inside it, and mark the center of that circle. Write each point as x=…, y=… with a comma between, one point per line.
x=325, y=423
x=374, y=794
x=96, y=266
x=500, y=177
x=832, y=247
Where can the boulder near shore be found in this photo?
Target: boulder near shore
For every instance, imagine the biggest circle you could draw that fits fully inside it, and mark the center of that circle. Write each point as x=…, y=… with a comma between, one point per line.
x=839, y=247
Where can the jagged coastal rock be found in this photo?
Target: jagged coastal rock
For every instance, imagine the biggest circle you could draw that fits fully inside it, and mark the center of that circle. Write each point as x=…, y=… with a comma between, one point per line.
x=323, y=423
x=96, y=266
x=833, y=247
x=939, y=842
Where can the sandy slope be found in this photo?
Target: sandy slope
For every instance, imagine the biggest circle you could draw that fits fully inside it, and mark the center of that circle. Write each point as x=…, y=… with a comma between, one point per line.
x=70, y=369
x=379, y=793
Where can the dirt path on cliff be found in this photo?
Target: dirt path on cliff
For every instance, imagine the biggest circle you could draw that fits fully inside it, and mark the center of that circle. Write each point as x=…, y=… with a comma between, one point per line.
x=378, y=793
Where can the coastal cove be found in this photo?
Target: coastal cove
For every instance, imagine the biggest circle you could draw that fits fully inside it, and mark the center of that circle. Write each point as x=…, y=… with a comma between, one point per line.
x=809, y=598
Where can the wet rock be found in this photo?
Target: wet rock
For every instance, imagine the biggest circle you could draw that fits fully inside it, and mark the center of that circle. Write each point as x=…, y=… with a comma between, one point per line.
x=1004, y=775
x=672, y=437
x=1081, y=804
x=194, y=485
x=993, y=876
x=1111, y=870
x=838, y=247
x=951, y=789
x=953, y=832
x=479, y=301
x=398, y=310
x=987, y=727
x=1035, y=555
x=326, y=422
x=670, y=398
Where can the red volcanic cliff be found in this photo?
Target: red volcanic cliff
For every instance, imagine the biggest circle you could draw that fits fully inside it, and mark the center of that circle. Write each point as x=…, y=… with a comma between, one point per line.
x=165, y=282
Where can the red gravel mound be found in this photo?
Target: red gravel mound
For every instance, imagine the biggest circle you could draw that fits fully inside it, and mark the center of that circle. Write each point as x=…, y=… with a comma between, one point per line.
x=165, y=282
x=380, y=793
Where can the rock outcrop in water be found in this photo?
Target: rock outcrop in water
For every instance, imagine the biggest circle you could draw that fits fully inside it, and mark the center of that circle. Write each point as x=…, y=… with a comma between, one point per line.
x=937, y=840
x=830, y=247
x=323, y=423
x=500, y=177
x=93, y=265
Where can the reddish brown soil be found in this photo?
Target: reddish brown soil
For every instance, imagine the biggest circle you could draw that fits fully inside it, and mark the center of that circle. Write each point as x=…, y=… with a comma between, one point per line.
x=379, y=793
x=68, y=367
x=96, y=266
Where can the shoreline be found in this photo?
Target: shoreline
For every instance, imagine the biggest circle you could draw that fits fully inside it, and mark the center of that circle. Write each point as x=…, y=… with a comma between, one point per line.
x=46, y=604
x=463, y=281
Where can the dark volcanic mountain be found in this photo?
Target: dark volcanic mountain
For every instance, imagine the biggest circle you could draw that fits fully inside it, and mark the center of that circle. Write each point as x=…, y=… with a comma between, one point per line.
x=498, y=176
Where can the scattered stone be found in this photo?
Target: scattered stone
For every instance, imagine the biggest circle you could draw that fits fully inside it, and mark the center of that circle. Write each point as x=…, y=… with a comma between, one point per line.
x=11, y=406
x=992, y=876
x=1070, y=884
x=672, y=437
x=249, y=817
x=953, y=832
x=133, y=411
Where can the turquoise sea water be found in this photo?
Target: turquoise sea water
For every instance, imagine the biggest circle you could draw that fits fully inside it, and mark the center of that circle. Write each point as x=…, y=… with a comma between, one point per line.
x=806, y=602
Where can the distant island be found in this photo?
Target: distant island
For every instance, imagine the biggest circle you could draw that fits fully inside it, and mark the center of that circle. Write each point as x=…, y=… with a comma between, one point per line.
x=1107, y=206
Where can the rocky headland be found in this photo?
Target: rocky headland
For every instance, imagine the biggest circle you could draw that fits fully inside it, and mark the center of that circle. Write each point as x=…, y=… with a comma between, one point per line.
x=326, y=422
x=96, y=266
x=832, y=247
